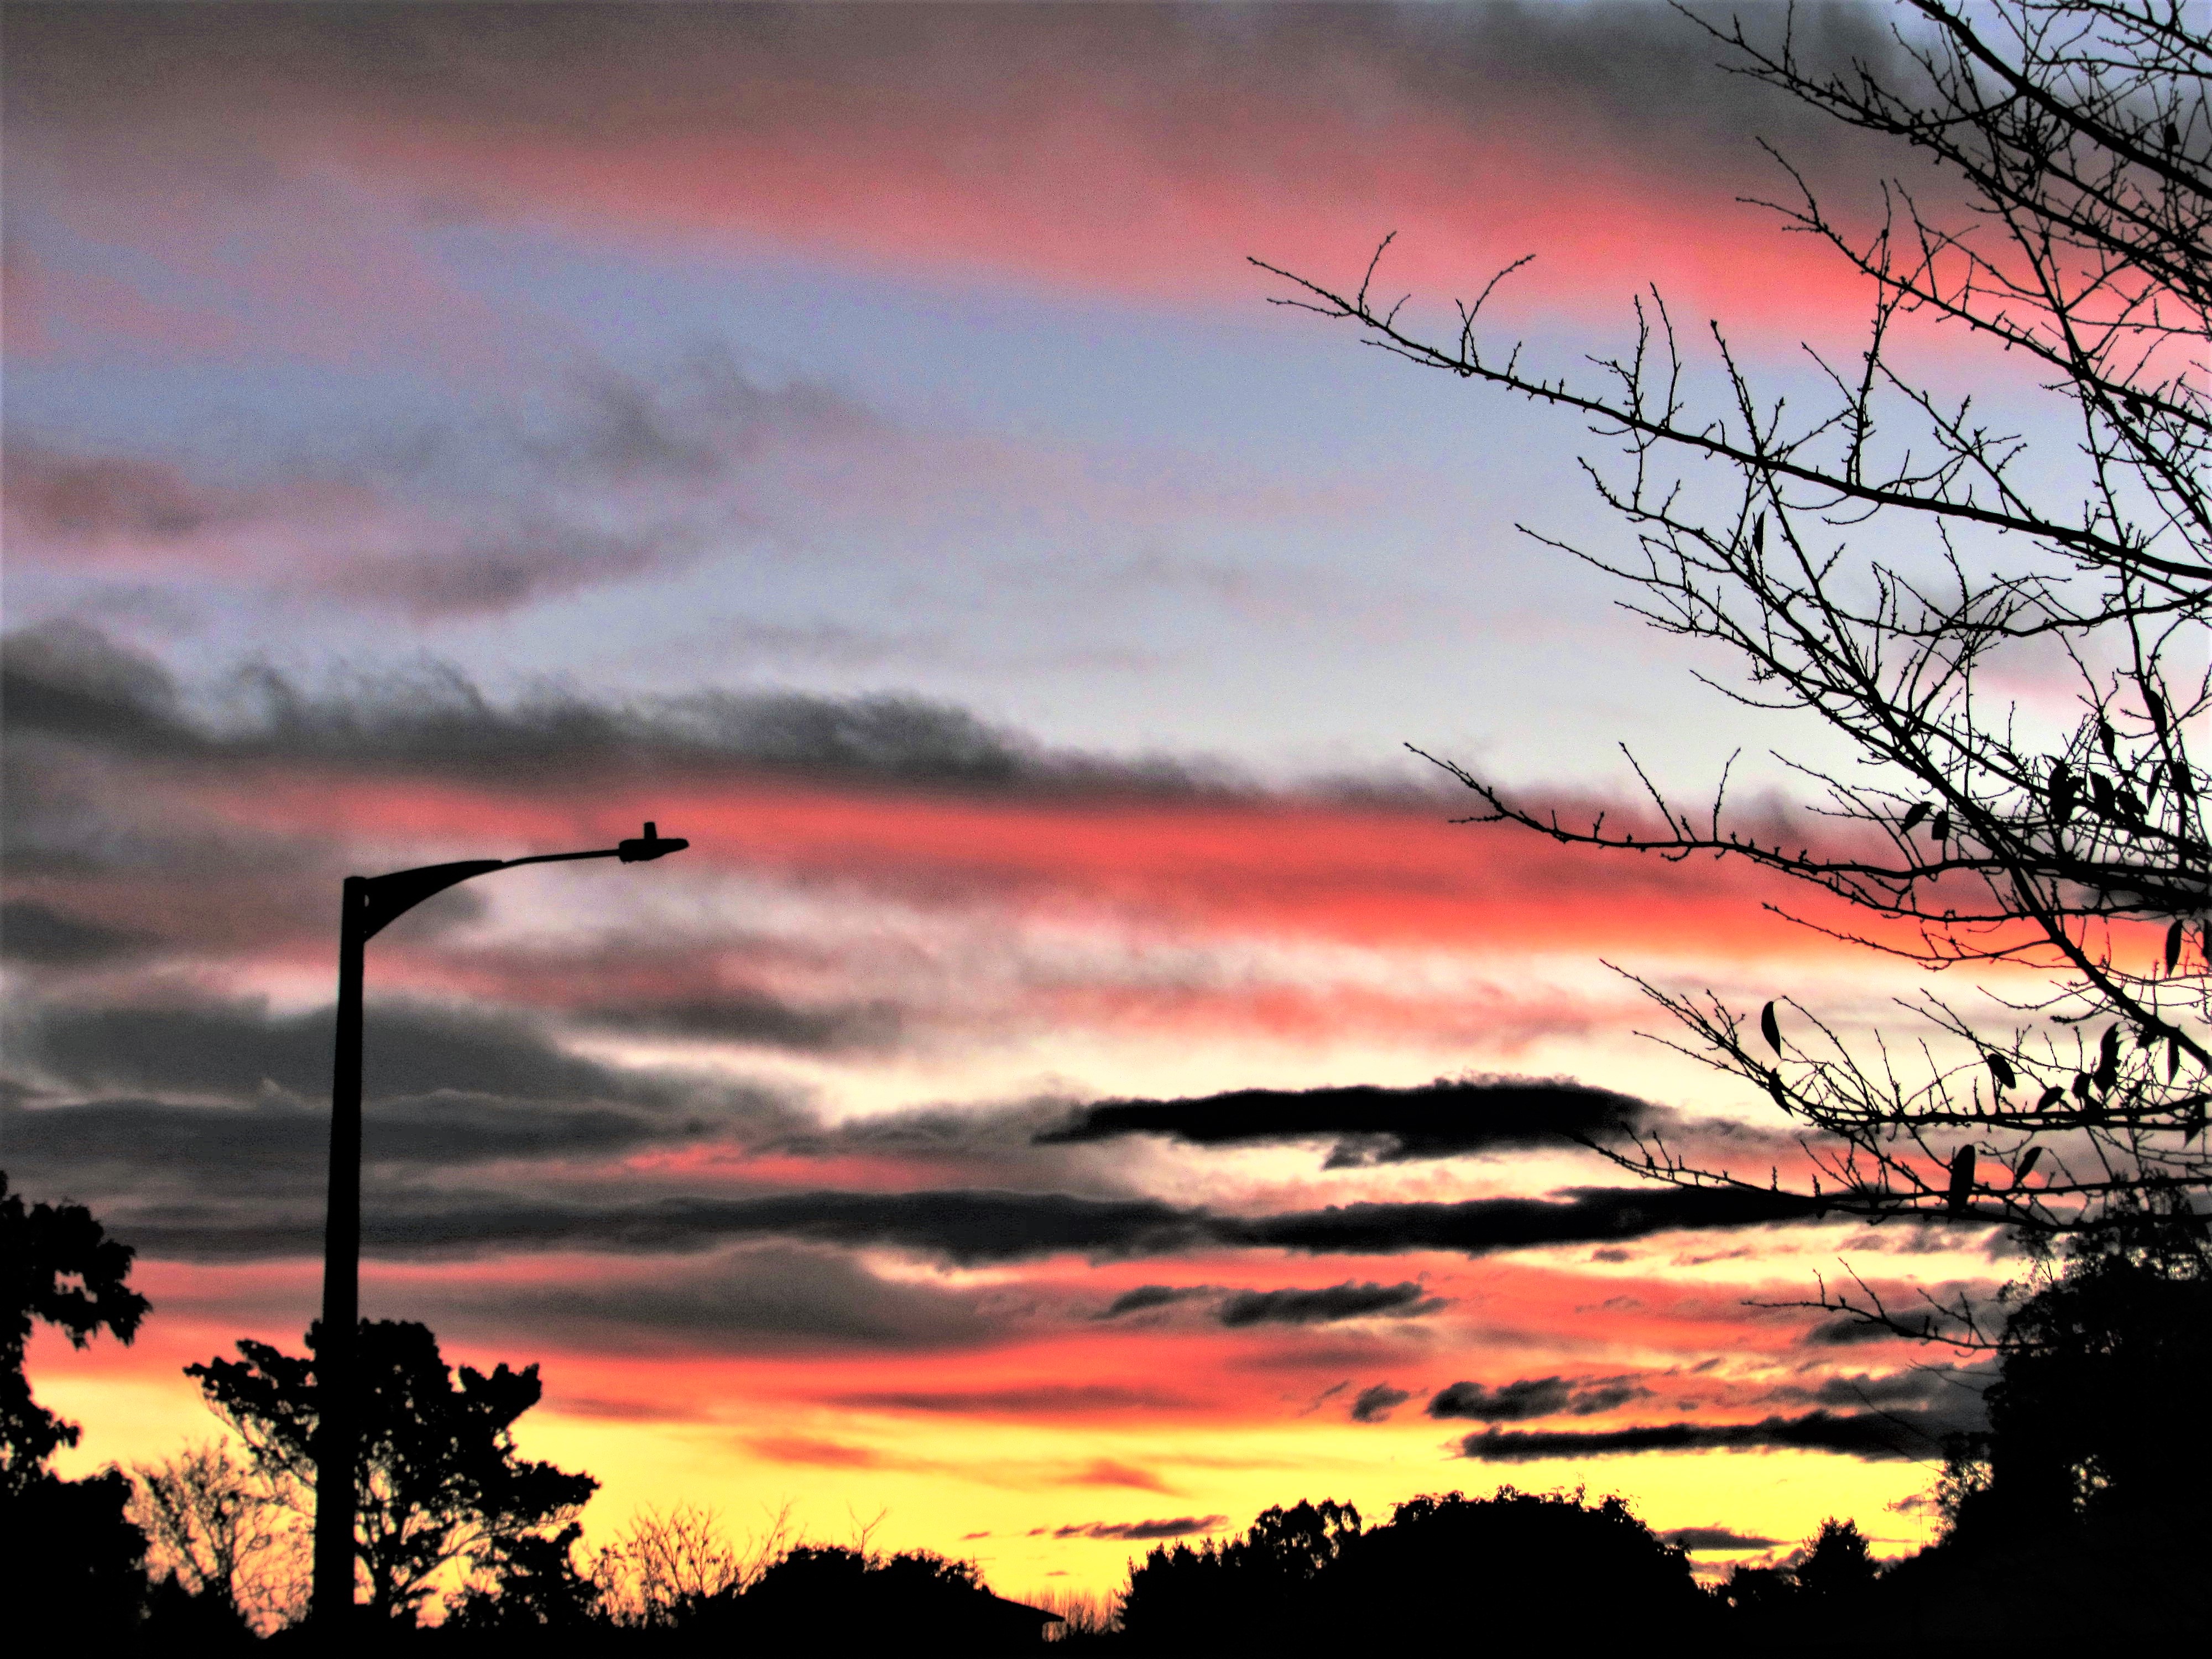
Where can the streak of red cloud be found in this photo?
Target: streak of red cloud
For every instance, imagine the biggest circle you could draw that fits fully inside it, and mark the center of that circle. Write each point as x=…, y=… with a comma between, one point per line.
x=818, y=1454
x=1402, y=875
x=1111, y=1472
x=1136, y=153
x=1102, y=209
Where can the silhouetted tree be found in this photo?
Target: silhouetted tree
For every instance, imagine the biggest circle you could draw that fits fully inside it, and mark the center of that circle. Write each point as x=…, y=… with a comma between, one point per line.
x=1521, y=1567
x=1880, y=557
x=2080, y=1418
x=666, y=1565
x=219, y=1534
x=1256, y=1589
x=2078, y=1515
x=528, y=1582
x=1761, y=1596
x=72, y=1560
x=1826, y=1600
x=57, y=1264
x=440, y=1481
x=2090, y=1481
x=1838, y=1570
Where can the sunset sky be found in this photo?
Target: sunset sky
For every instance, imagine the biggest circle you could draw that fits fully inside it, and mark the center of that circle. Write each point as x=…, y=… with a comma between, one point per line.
x=855, y=439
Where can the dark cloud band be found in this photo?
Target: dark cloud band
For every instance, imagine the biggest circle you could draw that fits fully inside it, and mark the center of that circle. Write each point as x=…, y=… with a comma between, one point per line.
x=966, y=1226
x=68, y=682
x=1533, y=1397
x=1701, y=1540
x=1138, y=1532
x=1370, y=1124
x=1374, y=1404
x=1870, y=1436
x=1327, y=1304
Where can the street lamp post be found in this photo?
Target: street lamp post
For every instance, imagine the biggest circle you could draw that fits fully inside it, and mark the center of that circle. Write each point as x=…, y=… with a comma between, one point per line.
x=371, y=903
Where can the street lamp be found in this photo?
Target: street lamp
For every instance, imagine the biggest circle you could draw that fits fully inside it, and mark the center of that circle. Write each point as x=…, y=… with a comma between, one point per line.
x=370, y=904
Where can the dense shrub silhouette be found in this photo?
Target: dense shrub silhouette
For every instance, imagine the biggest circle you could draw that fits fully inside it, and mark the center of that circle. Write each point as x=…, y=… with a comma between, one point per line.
x=72, y=1565
x=826, y=1598
x=1829, y=1599
x=1445, y=1569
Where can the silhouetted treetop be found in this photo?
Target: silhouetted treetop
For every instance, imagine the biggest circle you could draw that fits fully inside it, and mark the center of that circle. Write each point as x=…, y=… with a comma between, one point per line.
x=1888, y=566
x=440, y=1478
x=59, y=1265
x=71, y=1561
x=1514, y=1564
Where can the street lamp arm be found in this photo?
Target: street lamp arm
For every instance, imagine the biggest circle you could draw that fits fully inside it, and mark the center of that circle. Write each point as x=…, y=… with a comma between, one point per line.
x=382, y=900
x=563, y=858
x=379, y=900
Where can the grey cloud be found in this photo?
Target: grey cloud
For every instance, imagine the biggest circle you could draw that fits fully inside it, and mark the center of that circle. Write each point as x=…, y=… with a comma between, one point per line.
x=1477, y=1226
x=759, y=1298
x=690, y=423
x=1633, y=74
x=1899, y=1388
x=1928, y=1237
x=744, y=1017
x=1870, y=1436
x=1140, y=1531
x=967, y=1226
x=69, y=683
x=1915, y=1386
x=271, y=1146
x=1147, y=1296
x=1533, y=1397
x=490, y=572
x=991, y=1145
x=208, y=1122
x=964, y=1227
x=1374, y=1404
x=1327, y=1304
x=40, y=936
x=934, y=1133
x=1846, y=1331
x=230, y=1049
x=1448, y=1118
x=1606, y=1397
x=664, y=441
x=142, y=1150
x=91, y=498
x=1027, y=1399
x=1700, y=1539
x=439, y=720
x=512, y=525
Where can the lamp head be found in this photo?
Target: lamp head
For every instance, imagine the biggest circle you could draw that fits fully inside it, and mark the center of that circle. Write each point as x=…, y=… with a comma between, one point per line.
x=639, y=849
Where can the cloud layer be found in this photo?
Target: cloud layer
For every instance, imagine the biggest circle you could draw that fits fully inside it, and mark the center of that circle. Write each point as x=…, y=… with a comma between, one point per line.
x=1449, y=1118
x=1002, y=143
x=1874, y=1436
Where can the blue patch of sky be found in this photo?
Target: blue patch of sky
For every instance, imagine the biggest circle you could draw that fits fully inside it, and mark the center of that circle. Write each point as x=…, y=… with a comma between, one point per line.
x=1313, y=637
